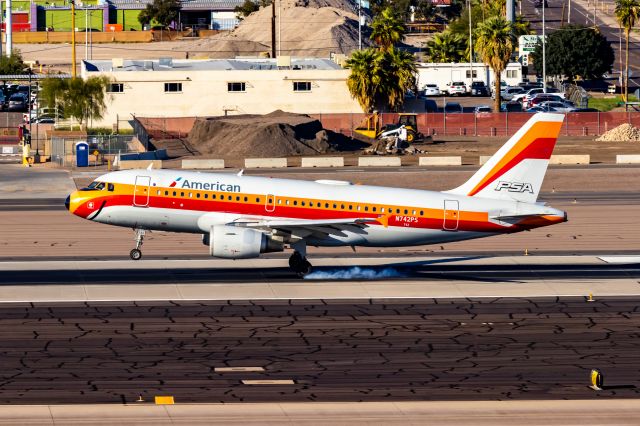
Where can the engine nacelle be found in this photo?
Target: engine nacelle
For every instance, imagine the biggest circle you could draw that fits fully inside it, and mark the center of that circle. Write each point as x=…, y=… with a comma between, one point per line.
x=234, y=242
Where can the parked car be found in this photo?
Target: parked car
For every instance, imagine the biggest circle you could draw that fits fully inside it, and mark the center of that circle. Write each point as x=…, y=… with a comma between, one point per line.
x=543, y=97
x=17, y=102
x=456, y=88
x=452, y=108
x=431, y=90
x=46, y=120
x=478, y=88
x=531, y=92
x=511, y=106
x=557, y=106
x=482, y=109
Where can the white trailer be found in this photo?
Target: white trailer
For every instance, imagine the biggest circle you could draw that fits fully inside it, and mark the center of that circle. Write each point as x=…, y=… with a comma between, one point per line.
x=443, y=74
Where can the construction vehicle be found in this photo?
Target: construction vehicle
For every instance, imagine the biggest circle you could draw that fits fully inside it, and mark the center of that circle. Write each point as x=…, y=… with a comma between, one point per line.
x=370, y=127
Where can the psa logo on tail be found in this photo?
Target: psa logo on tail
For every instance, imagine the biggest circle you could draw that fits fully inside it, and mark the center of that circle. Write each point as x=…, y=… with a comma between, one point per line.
x=514, y=187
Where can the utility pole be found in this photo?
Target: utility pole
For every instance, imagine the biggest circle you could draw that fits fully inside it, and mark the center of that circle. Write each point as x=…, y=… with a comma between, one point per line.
x=471, y=48
x=9, y=29
x=544, y=54
x=273, y=28
x=73, y=39
x=569, y=13
x=279, y=27
x=359, y=24
x=86, y=35
x=511, y=11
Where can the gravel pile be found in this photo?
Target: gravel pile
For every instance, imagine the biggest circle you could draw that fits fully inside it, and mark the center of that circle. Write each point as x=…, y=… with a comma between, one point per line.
x=624, y=132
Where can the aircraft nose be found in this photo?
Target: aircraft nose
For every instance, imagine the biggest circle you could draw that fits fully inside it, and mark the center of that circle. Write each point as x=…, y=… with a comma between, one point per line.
x=67, y=202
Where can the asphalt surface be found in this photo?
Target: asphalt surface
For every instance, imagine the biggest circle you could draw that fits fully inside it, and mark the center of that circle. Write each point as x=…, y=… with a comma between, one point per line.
x=366, y=350
x=406, y=269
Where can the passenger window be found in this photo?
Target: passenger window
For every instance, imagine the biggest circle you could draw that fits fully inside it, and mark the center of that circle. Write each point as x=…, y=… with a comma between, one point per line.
x=342, y=206
x=213, y=196
x=166, y=192
x=246, y=199
x=350, y=207
x=413, y=212
x=358, y=208
x=421, y=212
x=182, y=194
x=174, y=193
x=374, y=209
x=230, y=198
x=366, y=208
x=206, y=196
x=381, y=209
x=335, y=206
x=111, y=187
x=303, y=204
x=237, y=198
x=287, y=202
x=326, y=205
x=310, y=203
x=190, y=195
x=257, y=200
x=159, y=192
x=295, y=202
x=198, y=195
x=279, y=201
x=406, y=211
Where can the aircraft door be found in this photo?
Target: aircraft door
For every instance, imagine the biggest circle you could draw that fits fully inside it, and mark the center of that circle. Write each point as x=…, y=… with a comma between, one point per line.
x=451, y=215
x=270, y=203
x=141, y=191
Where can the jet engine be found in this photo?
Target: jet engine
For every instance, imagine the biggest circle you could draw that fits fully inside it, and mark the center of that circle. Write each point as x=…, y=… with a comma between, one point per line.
x=233, y=242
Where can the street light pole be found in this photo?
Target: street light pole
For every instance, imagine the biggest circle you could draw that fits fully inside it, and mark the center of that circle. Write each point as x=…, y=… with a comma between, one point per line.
x=544, y=53
x=73, y=39
x=470, y=49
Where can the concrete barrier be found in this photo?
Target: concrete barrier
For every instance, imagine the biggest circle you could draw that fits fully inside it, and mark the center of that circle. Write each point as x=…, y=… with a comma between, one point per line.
x=440, y=161
x=570, y=159
x=139, y=164
x=264, y=163
x=628, y=159
x=484, y=159
x=322, y=162
x=379, y=161
x=203, y=164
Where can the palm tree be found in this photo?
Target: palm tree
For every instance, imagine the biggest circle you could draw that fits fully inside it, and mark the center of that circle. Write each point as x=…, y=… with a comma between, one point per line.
x=495, y=43
x=365, y=77
x=387, y=29
x=399, y=76
x=627, y=13
x=446, y=47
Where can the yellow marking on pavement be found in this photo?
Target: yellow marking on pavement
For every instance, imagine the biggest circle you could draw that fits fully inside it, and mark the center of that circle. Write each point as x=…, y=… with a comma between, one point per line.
x=164, y=400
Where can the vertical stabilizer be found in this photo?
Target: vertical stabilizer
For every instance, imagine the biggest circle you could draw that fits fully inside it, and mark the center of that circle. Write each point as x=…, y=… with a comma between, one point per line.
x=517, y=170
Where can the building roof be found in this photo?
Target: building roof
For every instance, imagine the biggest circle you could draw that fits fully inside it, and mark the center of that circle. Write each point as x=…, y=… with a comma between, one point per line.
x=209, y=64
x=184, y=4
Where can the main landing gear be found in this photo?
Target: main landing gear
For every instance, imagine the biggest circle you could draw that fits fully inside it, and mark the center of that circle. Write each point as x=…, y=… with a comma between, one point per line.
x=298, y=261
x=136, y=253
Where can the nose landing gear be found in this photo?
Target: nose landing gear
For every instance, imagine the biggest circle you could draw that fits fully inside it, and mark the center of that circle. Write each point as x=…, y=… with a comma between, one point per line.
x=136, y=253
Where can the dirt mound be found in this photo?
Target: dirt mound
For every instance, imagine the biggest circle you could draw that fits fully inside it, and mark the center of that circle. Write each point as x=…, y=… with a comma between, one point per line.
x=278, y=134
x=304, y=32
x=623, y=133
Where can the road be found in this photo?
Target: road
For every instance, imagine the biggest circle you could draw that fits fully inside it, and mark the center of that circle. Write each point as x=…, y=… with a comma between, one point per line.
x=356, y=350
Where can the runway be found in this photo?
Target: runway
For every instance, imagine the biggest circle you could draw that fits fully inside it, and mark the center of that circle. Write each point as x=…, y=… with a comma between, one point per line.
x=356, y=350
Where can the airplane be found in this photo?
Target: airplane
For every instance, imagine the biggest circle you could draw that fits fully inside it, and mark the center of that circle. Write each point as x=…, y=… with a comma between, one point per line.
x=242, y=217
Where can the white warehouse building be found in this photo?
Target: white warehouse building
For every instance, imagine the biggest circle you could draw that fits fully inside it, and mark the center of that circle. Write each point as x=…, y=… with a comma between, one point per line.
x=444, y=73
x=215, y=87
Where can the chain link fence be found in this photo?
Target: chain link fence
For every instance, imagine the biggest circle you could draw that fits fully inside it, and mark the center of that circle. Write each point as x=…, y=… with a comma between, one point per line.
x=101, y=149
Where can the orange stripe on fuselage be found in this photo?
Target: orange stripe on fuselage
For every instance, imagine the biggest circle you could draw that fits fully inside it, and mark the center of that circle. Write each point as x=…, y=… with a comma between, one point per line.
x=419, y=217
x=539, y=130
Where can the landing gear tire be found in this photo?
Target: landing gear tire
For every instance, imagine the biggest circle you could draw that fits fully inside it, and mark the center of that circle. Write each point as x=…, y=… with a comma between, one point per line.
x=300, y=265
x=135, y=254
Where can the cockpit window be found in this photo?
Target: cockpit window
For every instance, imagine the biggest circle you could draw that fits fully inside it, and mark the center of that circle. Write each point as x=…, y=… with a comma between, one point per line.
x=110, y=187
x=94, y=186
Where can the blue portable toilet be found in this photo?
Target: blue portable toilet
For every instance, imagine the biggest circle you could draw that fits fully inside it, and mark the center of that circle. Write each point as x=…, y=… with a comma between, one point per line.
x=82, y=154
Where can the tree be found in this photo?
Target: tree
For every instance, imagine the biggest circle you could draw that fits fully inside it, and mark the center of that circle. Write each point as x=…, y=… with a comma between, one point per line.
x=246, y=9
x=387, y=29
x=78, y=98
x=627, y=13
x=575, y=50
x=495, y=43
x=364, y=78
x=13, y=64
x=446, y=47
x=399, y=71
x=164, y=12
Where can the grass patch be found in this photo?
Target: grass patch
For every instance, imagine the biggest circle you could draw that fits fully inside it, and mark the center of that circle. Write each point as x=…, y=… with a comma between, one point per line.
x=605, y=104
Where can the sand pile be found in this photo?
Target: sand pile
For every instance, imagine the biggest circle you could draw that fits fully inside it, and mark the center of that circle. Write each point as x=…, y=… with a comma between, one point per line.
x=304, y=32
x=624, y=133
x=278, y=134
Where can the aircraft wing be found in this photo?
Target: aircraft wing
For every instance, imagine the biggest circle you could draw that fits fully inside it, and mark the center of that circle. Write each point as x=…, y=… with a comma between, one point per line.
x=306, y=228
